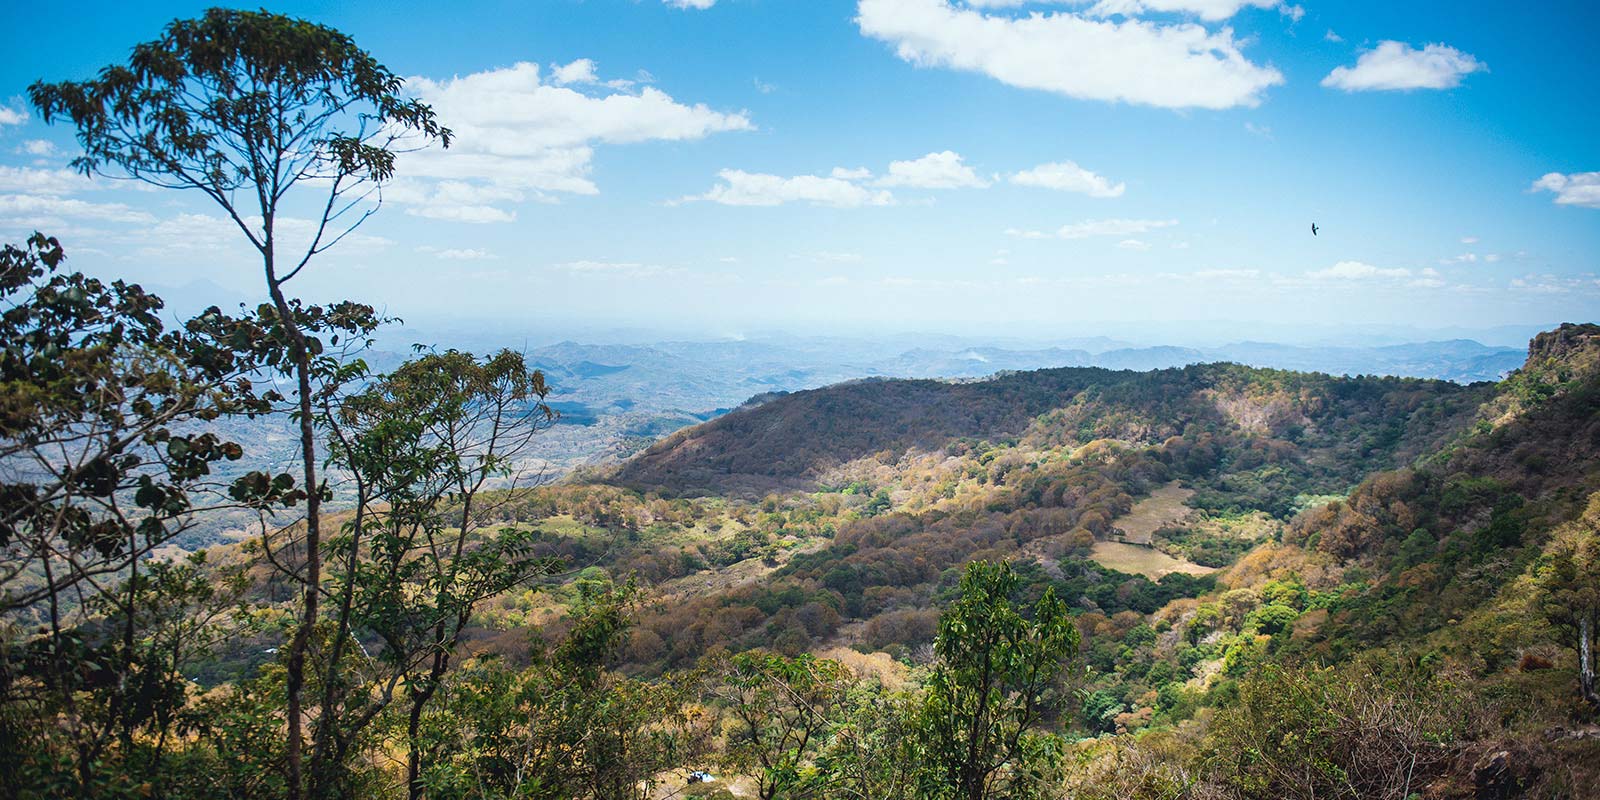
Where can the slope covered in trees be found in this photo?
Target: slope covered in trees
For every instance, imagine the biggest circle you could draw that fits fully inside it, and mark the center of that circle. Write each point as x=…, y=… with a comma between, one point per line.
x=1333, y=426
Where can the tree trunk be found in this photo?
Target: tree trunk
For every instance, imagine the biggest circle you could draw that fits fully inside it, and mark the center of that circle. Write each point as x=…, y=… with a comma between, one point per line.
x=419, y=699
x=1586, y=659
x=295, y=679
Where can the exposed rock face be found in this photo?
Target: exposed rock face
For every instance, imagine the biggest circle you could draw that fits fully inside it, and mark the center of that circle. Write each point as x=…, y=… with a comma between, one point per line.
x=1495, y=778
x=1564, y=342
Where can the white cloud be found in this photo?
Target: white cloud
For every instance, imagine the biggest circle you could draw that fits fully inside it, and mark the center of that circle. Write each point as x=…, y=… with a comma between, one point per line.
x=1067, y=176
x=1429, y=278
x=1209, y=10
x=624, y=269
x=28, y=180
x=942, y=170
x=1180, y=65
x=1469, y=240
x=1399, y=66
x=1330, y=36
x=459, y=253
x=1112, y=227
x=1133, y=244
x=37, y=147
x=12, y=116
x=1356, y=271
x=1576, y=189
x=842, y=187
x=516, y=133
x=458, y=201
x=43, y=211
x=1263, y=131
x=698, y=5
x=579, y=71
x=1226, y=274
x=836, y=257
x=740, y=188
x=191, y=237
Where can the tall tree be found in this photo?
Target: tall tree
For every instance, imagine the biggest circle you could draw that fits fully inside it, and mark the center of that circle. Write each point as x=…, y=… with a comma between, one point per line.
x=998, y=663
x=257, y=111
x=415, y=561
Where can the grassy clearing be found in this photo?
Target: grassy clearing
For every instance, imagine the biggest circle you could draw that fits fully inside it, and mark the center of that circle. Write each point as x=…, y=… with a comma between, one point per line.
x=1165, y=506
x=1137, y=560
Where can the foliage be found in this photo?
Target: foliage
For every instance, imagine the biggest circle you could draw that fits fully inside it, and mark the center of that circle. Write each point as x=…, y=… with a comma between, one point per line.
x=1376, y=728
x=992, y=686
x=779, y=711
x=567, y=727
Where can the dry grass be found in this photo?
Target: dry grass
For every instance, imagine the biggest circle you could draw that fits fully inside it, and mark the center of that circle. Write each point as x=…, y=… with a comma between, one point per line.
x=1146, y=561
x=1165, y=506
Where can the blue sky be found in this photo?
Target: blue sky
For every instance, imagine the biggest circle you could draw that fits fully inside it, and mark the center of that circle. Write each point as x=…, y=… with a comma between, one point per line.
x=987, y=166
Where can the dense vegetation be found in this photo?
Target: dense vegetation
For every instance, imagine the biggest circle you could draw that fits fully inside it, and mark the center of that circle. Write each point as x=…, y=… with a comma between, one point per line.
x=1351, y=587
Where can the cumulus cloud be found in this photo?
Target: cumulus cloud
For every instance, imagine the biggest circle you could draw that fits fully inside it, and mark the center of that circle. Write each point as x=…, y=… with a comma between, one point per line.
x=740, y=188
x=698, y=5
x=1356, y=271
x=579, y=71
x=1133, y=244
x=45, y=211
x=1209, y=10
x=1576, y=189
x=55, y=182
x=12, y=116
x=1397, y=66
x=1178, y=65
x=842, y=187
x=516, y=132
x=1067, y=176
x=459, y=201
x=942, y=170
x=37, y=147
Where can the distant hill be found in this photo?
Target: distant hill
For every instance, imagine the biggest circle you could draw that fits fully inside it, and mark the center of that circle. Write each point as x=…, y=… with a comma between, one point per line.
x=1339, y=424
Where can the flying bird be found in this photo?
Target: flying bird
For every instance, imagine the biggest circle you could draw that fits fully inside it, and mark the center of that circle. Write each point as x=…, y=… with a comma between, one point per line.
x=1314, y=229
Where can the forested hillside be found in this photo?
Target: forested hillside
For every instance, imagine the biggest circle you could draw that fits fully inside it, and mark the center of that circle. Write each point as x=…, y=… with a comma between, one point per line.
x=1333, y=427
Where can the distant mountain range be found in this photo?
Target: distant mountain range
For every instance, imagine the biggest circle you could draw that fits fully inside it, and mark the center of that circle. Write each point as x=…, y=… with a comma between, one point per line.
x=615, y=398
